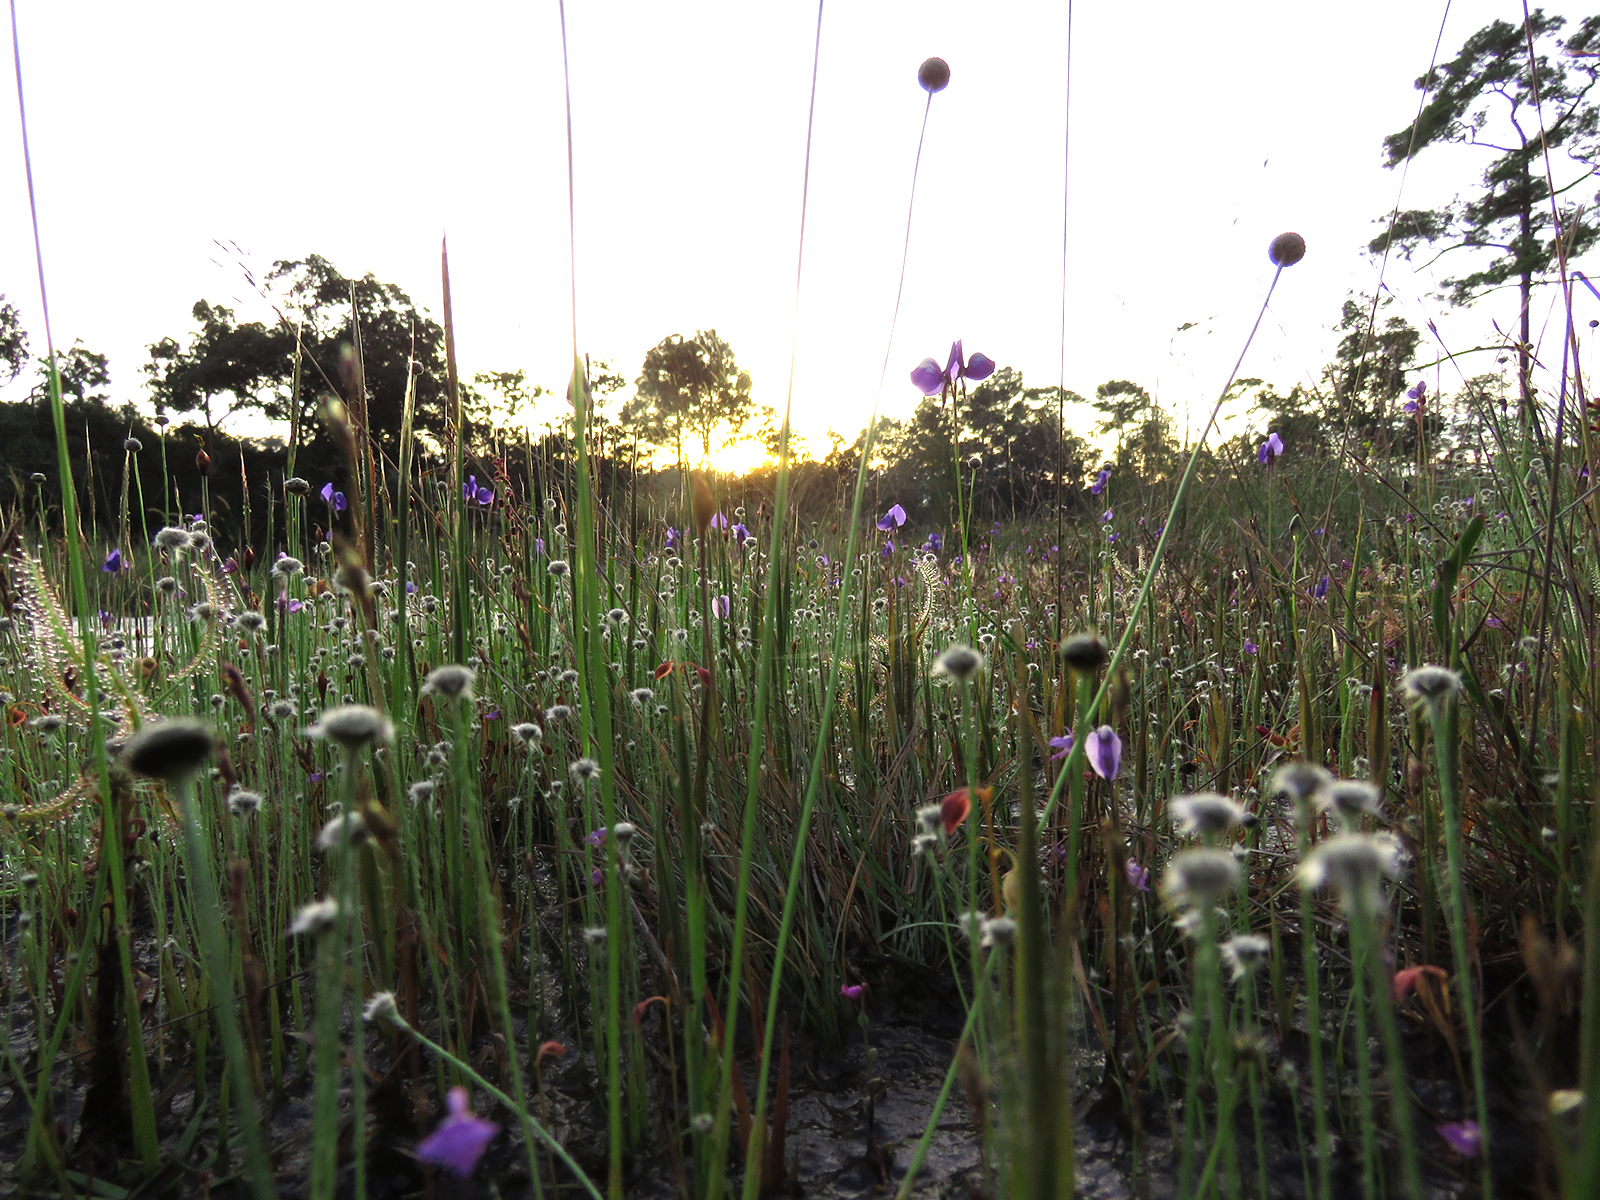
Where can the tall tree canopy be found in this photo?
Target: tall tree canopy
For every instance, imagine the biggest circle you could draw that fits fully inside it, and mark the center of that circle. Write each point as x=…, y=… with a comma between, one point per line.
x=13, y=341
x=250, y=363
x=1494, y=97
x=690, y=386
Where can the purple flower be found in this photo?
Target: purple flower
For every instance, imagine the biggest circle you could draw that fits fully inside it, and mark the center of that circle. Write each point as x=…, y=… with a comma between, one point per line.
x=888, y=548
x=113, y=562
x=411, y=588
x=721, y=607
x=286, y=605
x=538, y=545
x=741, y=535
x=929, y=378
x=470, y=491
x=596, y=837
x=1416, y=396
x=1270, y=449
x=893, y=519
x=853, y=991
x=1104, y=749
x=936, y=542
x=1108, y=515
x=461, y=1137
x=718, y=521
x=1250, y=647
x=336, y=499
x=1062, y=746
x=1321, y=590
x=1138, y=877
x=1465, y=1138
x=1099, y=485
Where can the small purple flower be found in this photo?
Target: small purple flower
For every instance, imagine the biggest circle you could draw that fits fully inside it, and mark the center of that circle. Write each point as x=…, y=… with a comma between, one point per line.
x=113, y=562
x=929, y=378
x=674, y=539
x=1062, y=746
x=314, y=777
x=411, y=588
x=596, y=837
x=718, y=521
x=1104, y=749
x=333, y=498
x=1250, y=647
x=893, y=519
x=1416, y=396
x=470, y=491
x=286, y=605
x=461, y=1137
x=1138, y=877
x=1465, y=1138
x=936, y=542
x=1270, y=449
x=538, y=545
x=741, y=535
x=888, y=549
x=1107, y=515
x=853, y=991
x=1099, y=484
x=721, y=607
x=1321, y=590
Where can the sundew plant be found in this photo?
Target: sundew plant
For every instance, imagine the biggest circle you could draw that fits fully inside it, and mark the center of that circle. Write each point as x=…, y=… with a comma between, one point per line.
x=482, y=815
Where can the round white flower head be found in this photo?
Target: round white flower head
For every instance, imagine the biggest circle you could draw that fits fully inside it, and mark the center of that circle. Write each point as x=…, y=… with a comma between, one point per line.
x=244, y=804
x=420, y=792
x=584, y=770
x=250, y=621
x=315, y=918
x=353, y=726
x=347, y=829
x=1350, y=799
x=558, y=567
x=287, y=566
x=623, y=831
x=526, y=732
x=172, y=538
x=998, y=931
x=1243, y=953
x=1198, y=877
x=959, y=662
x=381, y=1008
x=1208, y=813
x=1300, y=781
x=1432, y=687
x=450, y=680
x=1354, y=864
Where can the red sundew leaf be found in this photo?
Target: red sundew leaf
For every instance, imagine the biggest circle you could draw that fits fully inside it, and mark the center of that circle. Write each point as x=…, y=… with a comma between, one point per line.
x=552, y=1049
x=665, y=669
x=705, y=676
x=639, y=1008
x=1405, y=980
x=955, y=807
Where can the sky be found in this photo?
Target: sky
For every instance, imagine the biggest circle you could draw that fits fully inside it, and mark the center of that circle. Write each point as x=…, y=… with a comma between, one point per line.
x=177, y=143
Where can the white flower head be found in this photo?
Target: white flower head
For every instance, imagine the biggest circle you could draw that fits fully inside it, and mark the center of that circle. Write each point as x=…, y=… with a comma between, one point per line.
x=1354, y=864
x=1199, y=877
x=1207, y=813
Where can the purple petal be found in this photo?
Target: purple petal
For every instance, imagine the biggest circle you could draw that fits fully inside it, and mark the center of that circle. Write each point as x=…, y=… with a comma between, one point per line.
x=460, y=1139
x=327, y=493
x=1062, y=746
x=979, y=367
x=954, y=368
x=1104, y=749
x=928, y=377
x=1138, y=877
x=1465, y=1138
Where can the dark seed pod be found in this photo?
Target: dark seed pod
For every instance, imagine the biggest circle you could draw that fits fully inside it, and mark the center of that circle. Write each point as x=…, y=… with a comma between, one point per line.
x=1084, y=653
x=167, y=750
x=1286, y=249
x=934, y=75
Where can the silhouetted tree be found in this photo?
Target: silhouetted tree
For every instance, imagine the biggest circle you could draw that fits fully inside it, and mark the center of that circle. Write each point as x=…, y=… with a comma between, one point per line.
x=1485, y=98
x=250, y=363
x=13, y=340
x=692, y=386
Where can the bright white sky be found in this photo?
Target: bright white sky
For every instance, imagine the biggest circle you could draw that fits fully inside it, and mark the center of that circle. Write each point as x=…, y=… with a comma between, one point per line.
x=363, y=131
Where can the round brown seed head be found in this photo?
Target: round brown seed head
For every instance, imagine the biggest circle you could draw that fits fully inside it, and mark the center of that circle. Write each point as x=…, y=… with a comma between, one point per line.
x=934, y=75
x=1084, y=652
x=167, y=750
x=1286, y=249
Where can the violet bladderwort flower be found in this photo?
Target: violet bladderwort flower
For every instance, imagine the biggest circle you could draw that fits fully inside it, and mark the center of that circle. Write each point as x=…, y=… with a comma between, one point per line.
x=333, y=499
x=1104, y=750
x=1100, y=481
x=113, y=562
x=674, y=539
x=461, y=1137
x=893, y=519
x=930, y=379
x=1416, y=396
x=1270, y=449
x=471, y=492
x=1062, y=746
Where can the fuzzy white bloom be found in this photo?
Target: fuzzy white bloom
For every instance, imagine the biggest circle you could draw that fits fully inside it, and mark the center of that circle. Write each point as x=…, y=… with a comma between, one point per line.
x=315, y=918
x=1243, y=953
x=353, y=726
x=1431, y=687
x=450, y=680
x=1350, y=799
x=1355, y=864
x=1208, y=813
x=344, y=829
x=1198, y=877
